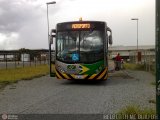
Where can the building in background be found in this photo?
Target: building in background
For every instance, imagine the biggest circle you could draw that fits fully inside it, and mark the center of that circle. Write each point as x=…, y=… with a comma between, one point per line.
x=129, y=53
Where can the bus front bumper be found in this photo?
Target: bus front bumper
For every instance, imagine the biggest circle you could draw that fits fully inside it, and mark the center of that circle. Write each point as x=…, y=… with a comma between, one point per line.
x=103, y=75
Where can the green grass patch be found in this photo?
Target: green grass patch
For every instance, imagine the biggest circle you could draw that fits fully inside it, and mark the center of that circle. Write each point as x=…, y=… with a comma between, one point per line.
x=153, y=83
x=152, y=101
x=133, y=66
x=136, y=112
x=13, y=75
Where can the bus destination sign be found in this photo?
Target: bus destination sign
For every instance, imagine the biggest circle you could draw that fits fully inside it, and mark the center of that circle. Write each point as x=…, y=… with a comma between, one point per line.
x=81, y=26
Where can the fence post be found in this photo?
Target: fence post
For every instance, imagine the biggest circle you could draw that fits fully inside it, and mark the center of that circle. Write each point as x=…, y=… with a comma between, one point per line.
x=35, y=60
x=23, y=60
x=30, y=58
x=146, y=60
x=15, y=60
x=149, y=60
x=6, y=60
x=40, y=58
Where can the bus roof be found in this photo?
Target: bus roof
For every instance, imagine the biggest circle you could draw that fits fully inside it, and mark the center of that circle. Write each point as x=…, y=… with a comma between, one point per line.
x=82, y=22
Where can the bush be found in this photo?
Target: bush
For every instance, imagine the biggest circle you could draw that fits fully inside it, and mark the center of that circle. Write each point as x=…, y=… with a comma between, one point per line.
x=133, y=66
x=135, y=112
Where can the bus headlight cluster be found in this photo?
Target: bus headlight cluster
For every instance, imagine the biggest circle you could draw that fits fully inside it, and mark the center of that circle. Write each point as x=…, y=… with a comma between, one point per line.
x=61, y=69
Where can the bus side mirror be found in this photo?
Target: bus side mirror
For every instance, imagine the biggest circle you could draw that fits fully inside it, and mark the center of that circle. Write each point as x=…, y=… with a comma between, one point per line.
x=53, y=30
x=110, y=36
x=110, y=40
x=52, y=36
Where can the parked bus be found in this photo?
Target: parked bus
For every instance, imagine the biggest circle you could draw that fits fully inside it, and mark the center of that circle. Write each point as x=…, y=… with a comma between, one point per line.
x=81, y=49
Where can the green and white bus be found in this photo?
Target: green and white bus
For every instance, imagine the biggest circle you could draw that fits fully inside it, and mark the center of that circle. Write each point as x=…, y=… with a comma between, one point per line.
x=81, y=50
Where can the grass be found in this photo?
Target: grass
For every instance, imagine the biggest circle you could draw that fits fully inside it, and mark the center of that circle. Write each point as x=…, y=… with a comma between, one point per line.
x=152, y=101
x=132, y=66
x=137, y=112
x=13, y=75
x=153, y=83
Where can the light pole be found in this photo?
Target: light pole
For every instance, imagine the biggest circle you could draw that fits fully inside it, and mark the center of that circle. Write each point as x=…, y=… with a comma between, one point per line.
x=137, y=35
x=48, y=3
x=158, y=58
x=137, y=30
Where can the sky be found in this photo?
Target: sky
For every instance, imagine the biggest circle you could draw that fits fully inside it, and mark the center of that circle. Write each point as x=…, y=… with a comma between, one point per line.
x=23, y=23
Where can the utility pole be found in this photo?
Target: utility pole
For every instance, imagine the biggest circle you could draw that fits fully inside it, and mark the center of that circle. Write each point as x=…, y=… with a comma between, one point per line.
x=136, y=19
x=158, y=58
x=50, y=52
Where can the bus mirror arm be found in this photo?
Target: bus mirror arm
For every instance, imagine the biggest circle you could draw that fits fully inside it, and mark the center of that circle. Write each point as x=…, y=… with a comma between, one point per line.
x=51, y=39
x=53, y=36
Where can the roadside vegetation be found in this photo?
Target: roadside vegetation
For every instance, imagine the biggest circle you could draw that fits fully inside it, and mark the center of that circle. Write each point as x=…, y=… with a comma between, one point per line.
x=153, y=83
x=13, y=75
x=142, y=67
x=135, y=112
x=132, y=66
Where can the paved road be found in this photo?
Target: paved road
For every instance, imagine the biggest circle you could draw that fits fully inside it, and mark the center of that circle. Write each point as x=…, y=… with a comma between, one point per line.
x=48, y=95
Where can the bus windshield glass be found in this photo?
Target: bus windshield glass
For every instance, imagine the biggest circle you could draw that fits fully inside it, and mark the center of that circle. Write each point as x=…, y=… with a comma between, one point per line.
x=80, y=46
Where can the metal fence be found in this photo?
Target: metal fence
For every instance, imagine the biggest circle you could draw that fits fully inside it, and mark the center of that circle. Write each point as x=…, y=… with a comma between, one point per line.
x=147, y=59
x=17, y=59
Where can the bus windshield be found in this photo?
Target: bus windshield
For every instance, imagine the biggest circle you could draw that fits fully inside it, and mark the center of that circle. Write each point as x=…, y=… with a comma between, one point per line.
x=80, y=46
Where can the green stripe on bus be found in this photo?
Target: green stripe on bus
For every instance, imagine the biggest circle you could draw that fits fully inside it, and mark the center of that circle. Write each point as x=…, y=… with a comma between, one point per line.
x=94, y=68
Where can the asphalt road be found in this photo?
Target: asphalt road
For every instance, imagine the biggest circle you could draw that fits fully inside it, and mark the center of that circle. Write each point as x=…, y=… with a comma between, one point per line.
x=47, y=95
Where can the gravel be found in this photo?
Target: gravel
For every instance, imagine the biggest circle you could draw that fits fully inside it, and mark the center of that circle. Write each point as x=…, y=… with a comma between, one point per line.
x=47, y=95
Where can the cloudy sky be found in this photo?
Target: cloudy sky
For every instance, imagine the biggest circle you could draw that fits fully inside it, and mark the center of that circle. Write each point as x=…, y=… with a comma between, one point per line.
x=23, y=23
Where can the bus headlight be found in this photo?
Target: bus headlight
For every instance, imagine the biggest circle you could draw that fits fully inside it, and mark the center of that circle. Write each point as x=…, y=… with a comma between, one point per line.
x=61, y=69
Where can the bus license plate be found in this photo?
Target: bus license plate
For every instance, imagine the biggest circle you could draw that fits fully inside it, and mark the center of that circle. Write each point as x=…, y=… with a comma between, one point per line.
x=79, y=77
